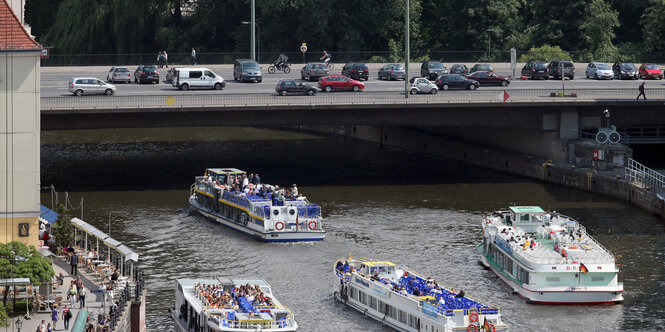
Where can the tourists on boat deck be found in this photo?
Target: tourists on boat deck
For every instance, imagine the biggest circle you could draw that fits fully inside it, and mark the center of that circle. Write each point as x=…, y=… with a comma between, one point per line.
x=245, y=181
x=294, y=190
x=257, y=179
x=416, y=292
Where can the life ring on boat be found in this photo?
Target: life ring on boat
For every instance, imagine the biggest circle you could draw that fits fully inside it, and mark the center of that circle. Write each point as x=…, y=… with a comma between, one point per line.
x=473, y=317
x=472, y=328
x=312, y=225
x=492, y=327
x=573, y=247
x=279, y=225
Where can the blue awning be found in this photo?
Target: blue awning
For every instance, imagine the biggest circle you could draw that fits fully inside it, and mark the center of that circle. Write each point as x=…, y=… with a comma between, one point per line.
x=47, y=214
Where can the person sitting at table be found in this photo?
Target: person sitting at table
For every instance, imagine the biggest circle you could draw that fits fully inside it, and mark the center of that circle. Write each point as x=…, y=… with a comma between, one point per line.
x=114, y=276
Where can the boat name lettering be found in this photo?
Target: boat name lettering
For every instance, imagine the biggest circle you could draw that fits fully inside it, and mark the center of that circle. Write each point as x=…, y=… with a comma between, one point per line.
x=379, y=291
x=361, y=282
x=501, y=243
x=429, y=309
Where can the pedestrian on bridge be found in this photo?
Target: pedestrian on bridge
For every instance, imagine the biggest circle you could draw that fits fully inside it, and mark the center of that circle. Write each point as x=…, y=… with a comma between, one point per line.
x=166, y=59
x=641, y=88
x=193, y=57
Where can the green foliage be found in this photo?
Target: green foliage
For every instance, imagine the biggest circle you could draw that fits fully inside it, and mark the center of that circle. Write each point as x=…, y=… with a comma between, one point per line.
x=544, y=53
x=653, y=26
x=4, y=317
x=598, y=30
x=396, y=51
x=17, y=260
x=64, y=232
x=377, y=59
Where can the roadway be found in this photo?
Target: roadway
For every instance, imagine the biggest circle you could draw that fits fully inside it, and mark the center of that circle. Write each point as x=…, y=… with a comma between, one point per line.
x=54, y=81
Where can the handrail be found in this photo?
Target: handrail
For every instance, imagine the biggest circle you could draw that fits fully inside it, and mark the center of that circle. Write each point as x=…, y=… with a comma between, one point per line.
x=639, y=173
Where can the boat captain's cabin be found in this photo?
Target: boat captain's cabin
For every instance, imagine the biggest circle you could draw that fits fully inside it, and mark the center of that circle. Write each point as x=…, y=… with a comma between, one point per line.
x=378, y=270
x=221, y=174
x=526, y=217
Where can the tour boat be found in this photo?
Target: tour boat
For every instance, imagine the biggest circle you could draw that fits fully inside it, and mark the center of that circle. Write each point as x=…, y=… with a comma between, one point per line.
x=199, y=306
x=407, y=301
x=259, y=210
x=548, y=258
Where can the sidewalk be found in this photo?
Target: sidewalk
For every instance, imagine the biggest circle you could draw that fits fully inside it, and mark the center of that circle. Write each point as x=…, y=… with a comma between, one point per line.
x=92, y=300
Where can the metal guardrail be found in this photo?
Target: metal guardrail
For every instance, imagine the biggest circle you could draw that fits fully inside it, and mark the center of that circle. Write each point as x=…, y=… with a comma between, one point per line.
x=638, y=173
x=202, y=100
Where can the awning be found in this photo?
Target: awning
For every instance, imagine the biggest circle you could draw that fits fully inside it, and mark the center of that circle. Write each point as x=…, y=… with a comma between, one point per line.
x=15, y=282
x=124, y=250
x=132, y=257
x=47, y=214
x=111, y=242
x=99, y=234
x=45, y=252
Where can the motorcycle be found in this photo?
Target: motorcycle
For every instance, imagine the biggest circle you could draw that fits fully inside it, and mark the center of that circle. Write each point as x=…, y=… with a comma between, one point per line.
x=282, y=63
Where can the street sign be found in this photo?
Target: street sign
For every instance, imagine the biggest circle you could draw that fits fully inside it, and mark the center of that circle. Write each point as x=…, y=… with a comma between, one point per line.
x=303, y=48
x=44, y=53
x=513, y=58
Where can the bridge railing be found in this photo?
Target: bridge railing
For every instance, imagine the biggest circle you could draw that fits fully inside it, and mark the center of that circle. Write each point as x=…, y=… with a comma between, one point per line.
x=638, y=173
x=205, y=98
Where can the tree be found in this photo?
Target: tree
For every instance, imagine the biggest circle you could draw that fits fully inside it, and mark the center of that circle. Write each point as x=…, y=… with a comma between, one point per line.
x=545, y=53
x=598, y=30
x=64, y=232
x=653, y=26
x=4, y=317
x=17, y=260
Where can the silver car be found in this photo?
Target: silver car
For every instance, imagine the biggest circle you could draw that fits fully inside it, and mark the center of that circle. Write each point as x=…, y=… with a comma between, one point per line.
x=314, y=70
x=121, y=74
x=90, y=85
x=422, y=85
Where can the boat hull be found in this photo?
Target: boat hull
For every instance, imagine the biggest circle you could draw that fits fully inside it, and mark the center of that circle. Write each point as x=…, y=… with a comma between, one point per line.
x=283, y=236
x=558, y=295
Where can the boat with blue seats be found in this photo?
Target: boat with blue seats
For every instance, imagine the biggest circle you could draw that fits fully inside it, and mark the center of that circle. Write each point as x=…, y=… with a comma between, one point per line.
x=224, y=304
x=548, y=258
x=407, y=301
x=257, y=209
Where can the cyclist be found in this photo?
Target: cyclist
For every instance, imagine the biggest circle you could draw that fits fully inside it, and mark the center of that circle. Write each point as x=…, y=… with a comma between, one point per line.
x=326, y=57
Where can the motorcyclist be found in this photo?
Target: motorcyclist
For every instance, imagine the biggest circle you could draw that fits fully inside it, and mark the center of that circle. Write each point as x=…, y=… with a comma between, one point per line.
x=326, y=57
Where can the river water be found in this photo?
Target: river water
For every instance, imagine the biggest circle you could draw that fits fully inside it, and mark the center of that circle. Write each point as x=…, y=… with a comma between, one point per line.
x=379, y=203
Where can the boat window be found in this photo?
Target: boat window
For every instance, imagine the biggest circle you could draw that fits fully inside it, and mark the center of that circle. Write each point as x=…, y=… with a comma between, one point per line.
x=372, y=302
x=552, y=279
x=402, y=317
x=597, y=278
x=363, y=297
x=524, y=217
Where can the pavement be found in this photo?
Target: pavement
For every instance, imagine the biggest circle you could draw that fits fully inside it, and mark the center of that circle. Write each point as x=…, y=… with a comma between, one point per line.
x=93, y=300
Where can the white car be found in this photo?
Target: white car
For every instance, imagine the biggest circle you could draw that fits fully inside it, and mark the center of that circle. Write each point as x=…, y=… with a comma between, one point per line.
x=90, y=85
x=423, y=85
x=599, y=70
x=121, y=74
x=200, y=77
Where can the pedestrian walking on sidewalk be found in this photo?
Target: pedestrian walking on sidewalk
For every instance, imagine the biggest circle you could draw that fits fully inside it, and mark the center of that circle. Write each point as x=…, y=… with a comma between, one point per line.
x=166, y=59
x=193, y=57
x=74, y=262
x=641, y=88
x=82, y=293
x=54, y=316
x=66, y=316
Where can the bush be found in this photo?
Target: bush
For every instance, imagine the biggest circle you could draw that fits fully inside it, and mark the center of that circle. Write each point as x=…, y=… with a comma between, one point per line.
x=545, y=53
x=377, y=59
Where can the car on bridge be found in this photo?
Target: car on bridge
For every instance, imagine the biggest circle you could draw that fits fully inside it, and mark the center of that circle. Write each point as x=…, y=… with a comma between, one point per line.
x=599, y=70
x=481, y=67
x=534, y=70
x=247, y=70
x=197, y=77
x=488, y=78
x=90, y=85
x=432, y=69
x=625, y=70
x=422, y=85
x=314, y=70
x=568, y=69
x=121, y=74
x=285, y=87
x=392, y=71
x=356, y=70
x=339, y=82
x=146, y=73
x=650, y=70
x=459, y=69
x=454, y=81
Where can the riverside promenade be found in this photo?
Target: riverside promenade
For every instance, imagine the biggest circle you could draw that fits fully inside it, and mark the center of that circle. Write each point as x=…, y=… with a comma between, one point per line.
x=93, y=302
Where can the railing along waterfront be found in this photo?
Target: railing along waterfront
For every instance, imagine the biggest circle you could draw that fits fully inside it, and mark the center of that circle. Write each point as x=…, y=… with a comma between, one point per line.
x=202, y=99
x=133, y=290
x=638, y=173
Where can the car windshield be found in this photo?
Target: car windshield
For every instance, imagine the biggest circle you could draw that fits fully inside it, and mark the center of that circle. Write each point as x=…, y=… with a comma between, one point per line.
x=652, y=67
x=435, y=65
x=122, y=70
x=319, y=66
x=398, y=67
x=603, y=66
x=361, y=67
x=566, y=64
x=540, y=65
x=251, y=65
x=149, y=69
x=627, y=66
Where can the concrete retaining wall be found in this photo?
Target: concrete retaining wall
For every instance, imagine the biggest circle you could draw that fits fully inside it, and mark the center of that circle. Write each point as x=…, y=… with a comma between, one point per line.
x=430, y=143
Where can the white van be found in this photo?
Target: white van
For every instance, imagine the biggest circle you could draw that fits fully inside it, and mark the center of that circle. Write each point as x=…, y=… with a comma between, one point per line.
x=186, y=78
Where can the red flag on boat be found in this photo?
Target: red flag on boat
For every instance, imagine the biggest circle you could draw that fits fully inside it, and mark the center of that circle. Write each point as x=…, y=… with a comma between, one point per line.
x=583, y=268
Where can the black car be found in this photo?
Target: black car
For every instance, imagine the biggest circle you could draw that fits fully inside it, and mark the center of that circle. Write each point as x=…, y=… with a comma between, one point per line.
x=454, y=81
x=294, y=86
x=146, y=74
x=356, y=71
x=534, y=70
x=432, y=69
x=459, y=69
x=625, y=70
x=555, y=69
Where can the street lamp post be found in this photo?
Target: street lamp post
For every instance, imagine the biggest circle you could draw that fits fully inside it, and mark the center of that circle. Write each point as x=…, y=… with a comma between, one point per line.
x=489, y=43
x=258, y=40
x=407, y=50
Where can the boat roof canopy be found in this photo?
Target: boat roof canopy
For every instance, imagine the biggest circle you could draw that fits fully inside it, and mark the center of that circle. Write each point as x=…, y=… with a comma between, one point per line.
x=526, y=209
x=225, y=170
x=379, y=264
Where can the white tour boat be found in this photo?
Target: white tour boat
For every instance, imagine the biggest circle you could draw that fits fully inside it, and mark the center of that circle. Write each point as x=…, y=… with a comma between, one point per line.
x=408, y=301
x=548, y=258
x=229, y=305
x=259, y=210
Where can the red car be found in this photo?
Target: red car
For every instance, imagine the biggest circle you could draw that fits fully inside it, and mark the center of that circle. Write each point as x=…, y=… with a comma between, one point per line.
x=649, y=70
x=488, y=78
x=339, y=82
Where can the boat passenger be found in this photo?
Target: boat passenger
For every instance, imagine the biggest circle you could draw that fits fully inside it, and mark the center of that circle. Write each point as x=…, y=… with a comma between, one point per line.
x=375, y=276
x=294, y=190
x=257, y=179
x=245, y=181
x=416, y=292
